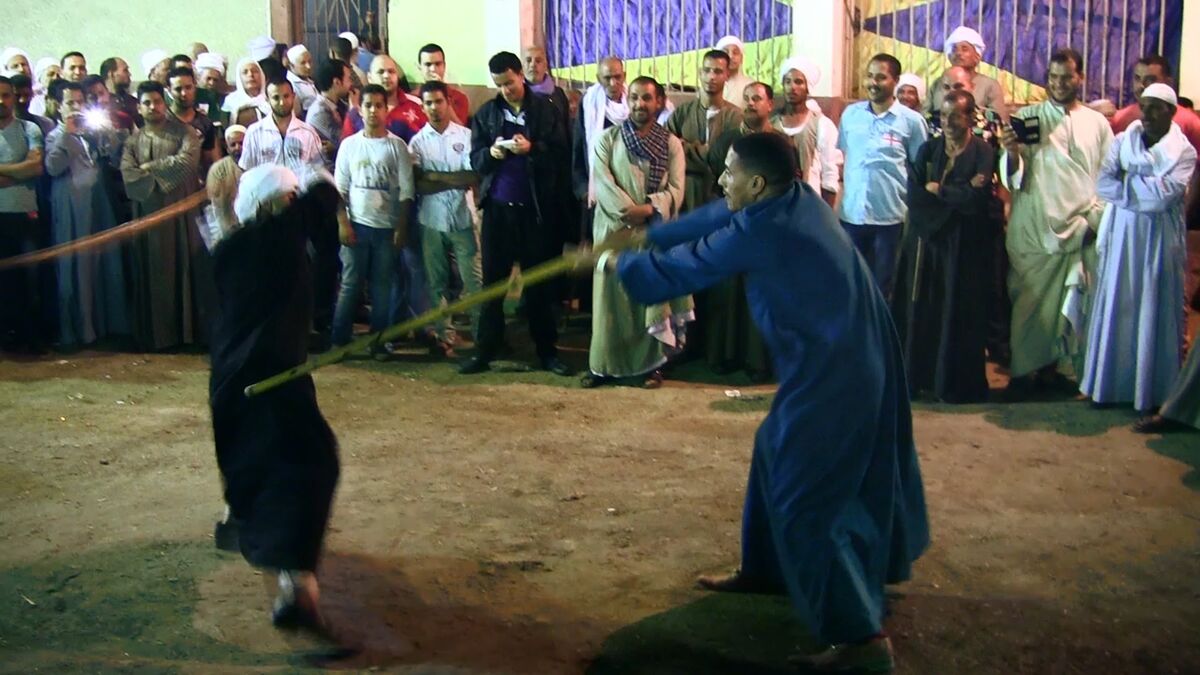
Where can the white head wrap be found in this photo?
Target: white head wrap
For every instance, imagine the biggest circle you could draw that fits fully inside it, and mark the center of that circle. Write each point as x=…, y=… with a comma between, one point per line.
x=296, y=52
x=6, y=56
x=1162, y=92
x=730, y=40
x=152, y=58
x=351, y=37
x=911, y=80
x=43, y=64
x=261, y=47
x=234, y=129
x=240, y=99
x=963, y=34
x=209, y=61
x=260, y=186
x=812, y=72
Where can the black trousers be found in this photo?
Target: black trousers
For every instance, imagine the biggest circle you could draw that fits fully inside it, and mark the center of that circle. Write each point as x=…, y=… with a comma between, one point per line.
x=512, y=233
x=18, y=287
x=325, y=274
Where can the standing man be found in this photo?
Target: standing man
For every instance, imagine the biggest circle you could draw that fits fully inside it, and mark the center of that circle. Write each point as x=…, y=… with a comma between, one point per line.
x=300, y=73
x=738, y=79
x=115, y=73
x=639, y=177
x=74, y=67
x=183, y=108
x=20, y=164
x=964, y=47
x=14, y=61
x=1136, y=332
x=910, y=91
x=91, y=288
x=159, y=166
x=282, y=138
x=700, y=121
x=374, y=177
x=603, y=106
x=1055, y=213
x=878, y=137
x=333, y=80
x=445, y=178
x=834, y=508
x=404, y=118
x=222, y=184
x=516, y=139
x=432, y=61
x=343, y=50
x=813, y=134
x=156, y=63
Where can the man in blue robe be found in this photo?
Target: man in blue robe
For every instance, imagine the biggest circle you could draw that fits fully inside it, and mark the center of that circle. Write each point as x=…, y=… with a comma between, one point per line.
x=834, y=508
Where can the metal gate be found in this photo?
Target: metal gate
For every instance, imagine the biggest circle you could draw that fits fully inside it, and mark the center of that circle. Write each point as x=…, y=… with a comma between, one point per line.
x=325, y=19
x=1022, y=34
x=664, y=38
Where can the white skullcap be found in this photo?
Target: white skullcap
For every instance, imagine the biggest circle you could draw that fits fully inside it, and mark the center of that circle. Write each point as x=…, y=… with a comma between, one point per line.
x=209, y=61
x=914, y=81
x=153, y=58
x=351, y=37
x=812, y=72
x=262, y=185
x=964, y=34
x=234, y=129
x=261, y=47
x=45, y=63
x=730, y=40
x=296, y=52
x=1162, y=92
x=8, y=53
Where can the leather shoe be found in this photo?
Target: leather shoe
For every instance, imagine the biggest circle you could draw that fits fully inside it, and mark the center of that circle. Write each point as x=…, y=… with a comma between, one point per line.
x=556, y=366
x=474, y=365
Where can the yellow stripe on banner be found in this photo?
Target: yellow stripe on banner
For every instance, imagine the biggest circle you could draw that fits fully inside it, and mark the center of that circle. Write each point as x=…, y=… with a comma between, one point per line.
x=762, y=58
x=881, y=7
x=929, y=65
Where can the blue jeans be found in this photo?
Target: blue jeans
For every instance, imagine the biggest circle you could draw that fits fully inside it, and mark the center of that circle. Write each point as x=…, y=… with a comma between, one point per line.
x=878, y=245
x=371, y=257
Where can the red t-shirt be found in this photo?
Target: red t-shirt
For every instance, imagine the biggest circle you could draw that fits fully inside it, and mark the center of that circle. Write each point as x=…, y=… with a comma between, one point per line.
x=405, y=120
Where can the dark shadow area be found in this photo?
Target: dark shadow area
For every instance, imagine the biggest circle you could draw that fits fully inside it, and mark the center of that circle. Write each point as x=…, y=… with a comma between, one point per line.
x=1183, y=446
x=716, y=635
x=1067, y=417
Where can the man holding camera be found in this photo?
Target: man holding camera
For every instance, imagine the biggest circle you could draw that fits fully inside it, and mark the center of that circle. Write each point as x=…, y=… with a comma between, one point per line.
x=1050, y=160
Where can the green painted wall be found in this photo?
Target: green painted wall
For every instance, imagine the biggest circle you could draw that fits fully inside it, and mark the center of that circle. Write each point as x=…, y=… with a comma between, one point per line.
x=470, y=33
x=127, y=28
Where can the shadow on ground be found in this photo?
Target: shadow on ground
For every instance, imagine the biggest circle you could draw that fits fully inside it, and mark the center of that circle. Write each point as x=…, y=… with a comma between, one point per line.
x=1183, y=446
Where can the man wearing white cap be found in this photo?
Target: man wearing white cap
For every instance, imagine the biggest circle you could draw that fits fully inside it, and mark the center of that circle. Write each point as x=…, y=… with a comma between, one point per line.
x=910, y=91
x=1051, y=170
x=222, y=181
x=964, y=47
x=813, y=134
x=45, y=71
x=736, y=84
x=210, y=74
x=261, y=47
x=14, y=61
x=300, y=72
x=1136, y=329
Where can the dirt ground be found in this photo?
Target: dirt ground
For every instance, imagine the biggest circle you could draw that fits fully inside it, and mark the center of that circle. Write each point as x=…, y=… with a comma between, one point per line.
x=514, y=523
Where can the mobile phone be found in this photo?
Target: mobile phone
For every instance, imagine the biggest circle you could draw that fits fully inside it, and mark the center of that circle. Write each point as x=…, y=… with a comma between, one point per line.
x=507, y=143
x=1028, y=130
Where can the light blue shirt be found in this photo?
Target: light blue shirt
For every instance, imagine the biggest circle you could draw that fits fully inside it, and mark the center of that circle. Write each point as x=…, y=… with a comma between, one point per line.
x=878, y=149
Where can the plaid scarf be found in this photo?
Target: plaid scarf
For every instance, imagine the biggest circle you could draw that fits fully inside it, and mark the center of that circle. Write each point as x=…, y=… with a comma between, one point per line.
x=651, y=148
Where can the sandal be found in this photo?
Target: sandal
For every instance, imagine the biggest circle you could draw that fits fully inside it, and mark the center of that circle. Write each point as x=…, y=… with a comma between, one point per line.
x=591, y=381
x=653, y=381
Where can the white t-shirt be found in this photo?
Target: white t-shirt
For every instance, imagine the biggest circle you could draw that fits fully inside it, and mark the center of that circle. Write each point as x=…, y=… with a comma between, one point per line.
x=374, y=175
x=444, y=211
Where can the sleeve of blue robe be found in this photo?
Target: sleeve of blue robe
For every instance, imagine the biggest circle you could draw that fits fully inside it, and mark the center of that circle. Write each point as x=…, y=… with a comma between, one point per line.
x=692, y=226
x=658, y=275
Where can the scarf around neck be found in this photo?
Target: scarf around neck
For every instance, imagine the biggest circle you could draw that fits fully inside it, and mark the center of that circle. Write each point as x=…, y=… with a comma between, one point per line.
x=653, y=148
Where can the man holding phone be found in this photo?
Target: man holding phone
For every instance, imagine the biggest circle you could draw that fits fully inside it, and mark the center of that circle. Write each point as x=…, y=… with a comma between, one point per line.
x=1051, y=157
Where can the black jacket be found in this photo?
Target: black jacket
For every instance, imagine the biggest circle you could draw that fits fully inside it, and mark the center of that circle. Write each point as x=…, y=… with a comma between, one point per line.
x=543, y=128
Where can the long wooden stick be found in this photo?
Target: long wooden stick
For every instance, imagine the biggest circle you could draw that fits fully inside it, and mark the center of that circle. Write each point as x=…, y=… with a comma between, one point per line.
x=534, y=275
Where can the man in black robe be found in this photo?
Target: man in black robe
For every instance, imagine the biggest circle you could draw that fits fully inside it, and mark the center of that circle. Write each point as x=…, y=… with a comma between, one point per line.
x=277, y=455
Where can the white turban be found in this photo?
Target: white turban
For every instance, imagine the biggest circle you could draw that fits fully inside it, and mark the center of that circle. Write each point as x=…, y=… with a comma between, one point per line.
x=262, y=185
x=730, y=40
x=210, y=61
x=7, y=54
x=914, y=81
x=261, y=47
x=296, y=52
x=964, y=34
x=351, y=37
x=234, y=129
x=45, y=63
x=152, y=58
x=1162, y=92
x=812, y=72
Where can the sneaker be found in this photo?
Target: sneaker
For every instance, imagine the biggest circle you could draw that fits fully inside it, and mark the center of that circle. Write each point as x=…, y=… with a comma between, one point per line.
x=872, y=656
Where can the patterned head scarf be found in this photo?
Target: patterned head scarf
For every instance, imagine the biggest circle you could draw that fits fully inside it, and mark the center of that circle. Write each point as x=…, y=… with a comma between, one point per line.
x=653, y=148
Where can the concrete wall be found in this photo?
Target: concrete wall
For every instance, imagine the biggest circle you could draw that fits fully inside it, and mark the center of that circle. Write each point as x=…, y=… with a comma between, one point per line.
x=470, y=33
x=104, y=28
x=1189, y=54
